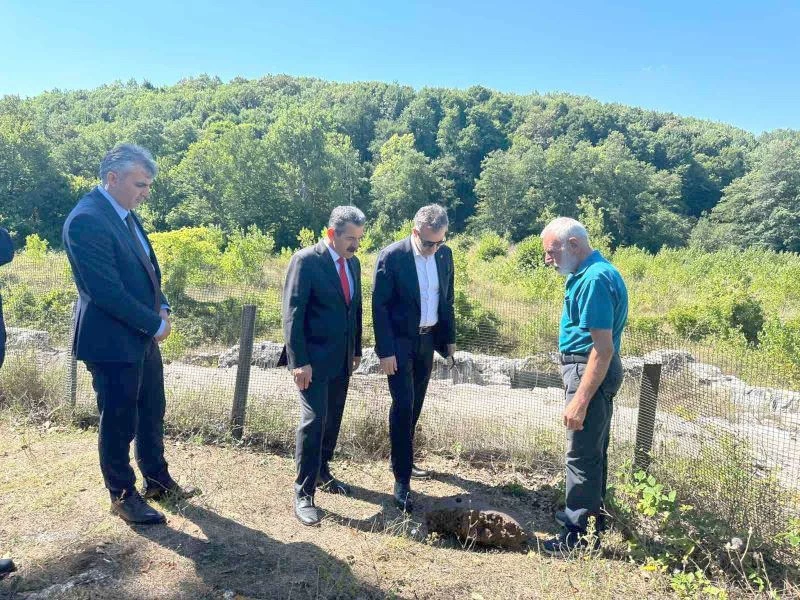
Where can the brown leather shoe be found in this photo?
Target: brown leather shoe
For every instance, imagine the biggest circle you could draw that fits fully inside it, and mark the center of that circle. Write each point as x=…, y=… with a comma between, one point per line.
x=133, y=509
x=154, y=490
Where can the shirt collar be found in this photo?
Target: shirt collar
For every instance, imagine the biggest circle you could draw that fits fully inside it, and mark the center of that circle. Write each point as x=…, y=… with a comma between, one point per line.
x=122, y=212
x=333, y=252
x=594, y=257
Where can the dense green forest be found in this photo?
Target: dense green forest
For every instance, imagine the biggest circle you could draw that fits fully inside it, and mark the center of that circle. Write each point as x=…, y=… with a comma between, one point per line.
x=279, y=152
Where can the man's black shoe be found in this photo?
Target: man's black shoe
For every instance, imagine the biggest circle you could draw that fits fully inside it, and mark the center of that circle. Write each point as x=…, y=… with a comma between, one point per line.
x=328, y=483
x=154, y=490
x=402, y=497
x=306, y=512
x=133, y=509
x=570, y=543
x=6, y=566
x=417, y=473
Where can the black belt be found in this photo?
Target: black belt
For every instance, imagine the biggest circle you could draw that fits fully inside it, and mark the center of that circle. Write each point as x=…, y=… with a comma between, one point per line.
x=571, y=359
x=427, y=329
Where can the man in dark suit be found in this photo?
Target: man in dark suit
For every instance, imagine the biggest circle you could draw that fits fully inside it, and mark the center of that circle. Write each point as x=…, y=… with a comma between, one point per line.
x=122, y=316
x=413, y=315
x=6, y=254
x=322, y=329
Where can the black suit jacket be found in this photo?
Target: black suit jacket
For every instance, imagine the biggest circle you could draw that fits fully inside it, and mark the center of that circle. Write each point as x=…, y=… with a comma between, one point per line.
x=396, y=308
x=319, y=328
x=117, y=317
x=6, y=254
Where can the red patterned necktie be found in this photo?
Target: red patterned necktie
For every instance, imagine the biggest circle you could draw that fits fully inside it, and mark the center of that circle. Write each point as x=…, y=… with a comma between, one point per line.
x=343, y=279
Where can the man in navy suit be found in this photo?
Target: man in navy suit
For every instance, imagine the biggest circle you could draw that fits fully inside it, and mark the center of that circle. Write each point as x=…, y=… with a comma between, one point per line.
x=322, y=329
x=413, y=315
x=122, y=316
x=6, y=254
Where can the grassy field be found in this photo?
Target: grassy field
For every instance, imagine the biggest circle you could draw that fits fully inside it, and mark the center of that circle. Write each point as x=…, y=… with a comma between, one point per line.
x=241, y=538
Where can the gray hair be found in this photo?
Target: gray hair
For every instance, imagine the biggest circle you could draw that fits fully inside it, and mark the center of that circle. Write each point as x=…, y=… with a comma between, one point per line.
x=124, y=157
x=342, y=215
x=432, y=216
x=564, y=228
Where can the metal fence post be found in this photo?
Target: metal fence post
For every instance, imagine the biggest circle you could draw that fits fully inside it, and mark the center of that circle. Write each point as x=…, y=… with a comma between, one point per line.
x=648, y=400
x=243, y=370
x=72, y=364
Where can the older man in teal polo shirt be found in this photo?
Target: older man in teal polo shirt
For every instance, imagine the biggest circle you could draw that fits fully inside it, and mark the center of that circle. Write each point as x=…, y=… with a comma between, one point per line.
x=594, y=315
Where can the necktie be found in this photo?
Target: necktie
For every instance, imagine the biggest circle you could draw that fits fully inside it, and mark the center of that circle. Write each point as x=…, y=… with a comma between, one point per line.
x=146, y=261
x=345, y=282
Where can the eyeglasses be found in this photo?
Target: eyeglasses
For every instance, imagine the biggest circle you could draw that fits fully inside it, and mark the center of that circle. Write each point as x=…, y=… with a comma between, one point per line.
x=429, y=244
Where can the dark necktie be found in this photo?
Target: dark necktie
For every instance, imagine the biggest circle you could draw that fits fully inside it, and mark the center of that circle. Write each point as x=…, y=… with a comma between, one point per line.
x=345, y=282
x=148, y=264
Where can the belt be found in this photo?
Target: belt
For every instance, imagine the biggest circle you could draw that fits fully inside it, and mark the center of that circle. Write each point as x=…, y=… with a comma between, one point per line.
x=427, y=329
x=571, y=359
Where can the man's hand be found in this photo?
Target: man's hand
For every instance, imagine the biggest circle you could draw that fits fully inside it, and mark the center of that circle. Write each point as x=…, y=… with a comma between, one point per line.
x=356, y=362
x=302, y=377
x=164, y=334
x=389, y=365
x=574, y=414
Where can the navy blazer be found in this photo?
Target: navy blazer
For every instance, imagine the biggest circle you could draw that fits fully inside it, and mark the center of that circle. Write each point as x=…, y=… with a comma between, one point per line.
x=396, y=308
x=116, y=318
x=6, y=254
x=319, y=328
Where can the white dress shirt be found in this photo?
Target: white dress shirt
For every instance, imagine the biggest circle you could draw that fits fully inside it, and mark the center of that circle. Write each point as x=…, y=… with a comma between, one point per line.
x=428, y=277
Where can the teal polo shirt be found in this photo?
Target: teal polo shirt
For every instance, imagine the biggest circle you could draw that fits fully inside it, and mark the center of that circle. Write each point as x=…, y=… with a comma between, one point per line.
x=595, y=298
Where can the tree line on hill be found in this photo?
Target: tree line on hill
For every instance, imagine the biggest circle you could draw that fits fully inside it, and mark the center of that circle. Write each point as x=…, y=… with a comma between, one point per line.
x=279, y=152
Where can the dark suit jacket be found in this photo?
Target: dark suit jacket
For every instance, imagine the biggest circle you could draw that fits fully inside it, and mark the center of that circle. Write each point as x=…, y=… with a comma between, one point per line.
x=318, y=327
x=396, y=305
x=116, y=317
x=6, y=254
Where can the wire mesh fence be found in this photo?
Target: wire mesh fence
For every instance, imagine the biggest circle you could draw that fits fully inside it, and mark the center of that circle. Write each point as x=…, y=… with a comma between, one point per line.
x=718, y=424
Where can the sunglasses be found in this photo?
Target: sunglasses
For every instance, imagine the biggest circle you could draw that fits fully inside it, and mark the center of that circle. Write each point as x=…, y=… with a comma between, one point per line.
x=429, y=244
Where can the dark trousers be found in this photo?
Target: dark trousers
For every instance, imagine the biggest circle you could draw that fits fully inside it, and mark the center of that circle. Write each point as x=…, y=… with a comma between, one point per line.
x=321, y=409
x=131, y=402
x=2, y=335
x=408, y=386
x=587, y=449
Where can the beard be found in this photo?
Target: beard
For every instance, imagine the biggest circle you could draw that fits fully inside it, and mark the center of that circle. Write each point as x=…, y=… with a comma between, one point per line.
x=568, y=263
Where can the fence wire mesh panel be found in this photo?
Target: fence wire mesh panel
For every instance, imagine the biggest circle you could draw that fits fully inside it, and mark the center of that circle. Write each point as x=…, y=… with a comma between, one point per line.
x=725, y=421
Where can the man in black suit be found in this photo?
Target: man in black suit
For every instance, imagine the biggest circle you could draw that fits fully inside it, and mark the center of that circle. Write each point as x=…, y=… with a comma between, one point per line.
x=413, y=315
x=322, y=329
x=122, y=316
x=6, y=254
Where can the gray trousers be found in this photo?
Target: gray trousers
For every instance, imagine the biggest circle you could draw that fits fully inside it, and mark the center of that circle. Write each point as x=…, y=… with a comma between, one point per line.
x=587, y=449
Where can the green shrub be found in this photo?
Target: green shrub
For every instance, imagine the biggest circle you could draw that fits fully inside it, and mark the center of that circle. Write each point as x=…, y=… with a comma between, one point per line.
x=244, y=257
x=490, y=245
x=476, y=326
x=35, y=247
x=529, y=254
x=49, y=311
x=187, y=256
x=726, y=315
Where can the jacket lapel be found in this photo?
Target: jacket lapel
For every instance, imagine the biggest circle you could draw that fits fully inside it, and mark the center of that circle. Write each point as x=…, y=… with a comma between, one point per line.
x=410, y=272
x=122, y=229
x=443, y=275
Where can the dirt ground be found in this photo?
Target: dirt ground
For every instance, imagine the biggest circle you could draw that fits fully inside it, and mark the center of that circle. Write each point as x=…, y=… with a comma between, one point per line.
x=240, y=538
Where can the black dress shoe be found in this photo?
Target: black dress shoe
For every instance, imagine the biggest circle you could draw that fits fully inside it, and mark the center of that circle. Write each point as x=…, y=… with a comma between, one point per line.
x=154, y=490
x=306, y=512
x=417, y=473
x=328, y=483
x=6, y=566
x=402, y=497
x=133, y=509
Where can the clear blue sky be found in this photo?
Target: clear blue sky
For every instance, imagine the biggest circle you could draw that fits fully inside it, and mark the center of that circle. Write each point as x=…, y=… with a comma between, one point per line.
x=736, y=61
